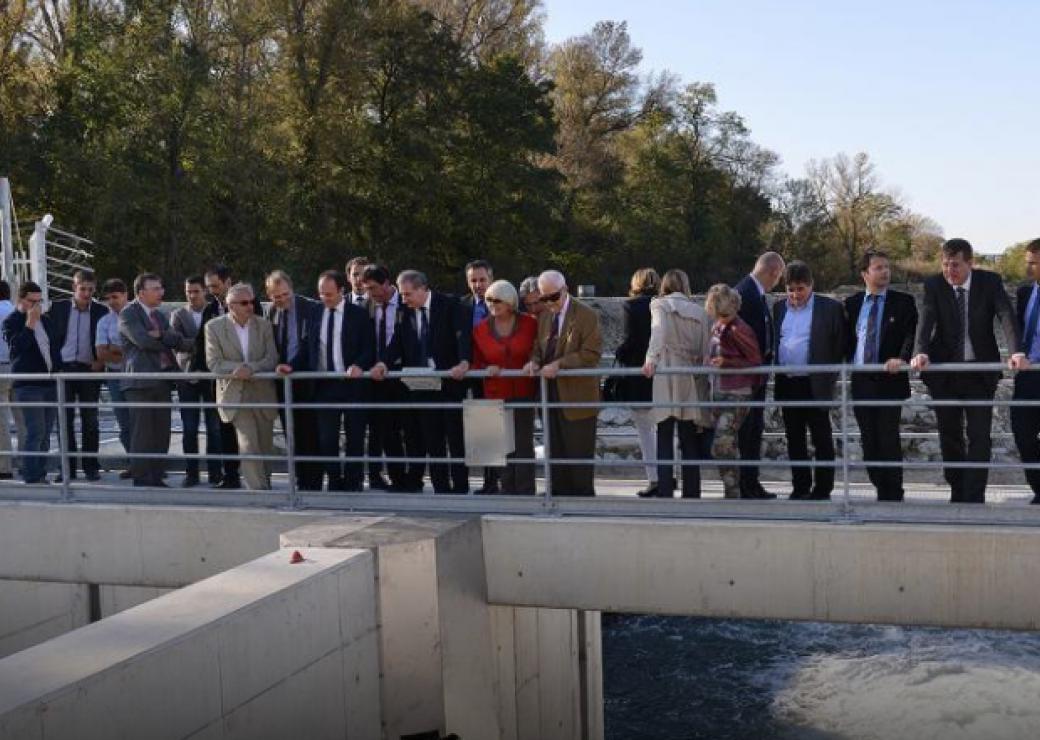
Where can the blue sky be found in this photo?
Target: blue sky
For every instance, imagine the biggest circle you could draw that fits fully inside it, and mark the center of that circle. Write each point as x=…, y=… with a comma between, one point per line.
x=944, y=96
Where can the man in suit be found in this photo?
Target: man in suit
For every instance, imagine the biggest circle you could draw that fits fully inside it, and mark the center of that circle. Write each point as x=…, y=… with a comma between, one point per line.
x=290, y=315
x=1025, y=420
x=434, y=333
x=386, y=426
x=75, y=323
x=479, y=276
x=239, y=345
x=754, y=310
x=148, y=345
x=569, y=338
x=338, y=340
x=881, y=330
x=187, y=321
x=809, y=330
x=218, y=280
x=34, y=348
x=957, y=316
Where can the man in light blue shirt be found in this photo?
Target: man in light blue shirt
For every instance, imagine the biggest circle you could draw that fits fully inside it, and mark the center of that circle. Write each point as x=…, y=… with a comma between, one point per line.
x=109, y=346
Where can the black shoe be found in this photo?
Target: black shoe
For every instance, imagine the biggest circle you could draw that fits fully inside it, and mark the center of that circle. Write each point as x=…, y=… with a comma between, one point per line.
x=758, y=495
x=488, y=489
x=6, y=476
x=58, y=478
x=799, y=496
x=648, y=492
x=229, y=483
x=93, y=475
x=190, y=481
x=125, y=475
x=1036, y=499
x=378, y=483
x=818, y=496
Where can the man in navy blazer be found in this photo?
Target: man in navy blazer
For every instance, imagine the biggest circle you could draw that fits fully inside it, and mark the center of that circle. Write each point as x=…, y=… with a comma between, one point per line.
x=882, y=326
x=75, y=323
x=34, y=349
x=754, y=310
x=339, y=339
x=809, y=330
x=1025, y=420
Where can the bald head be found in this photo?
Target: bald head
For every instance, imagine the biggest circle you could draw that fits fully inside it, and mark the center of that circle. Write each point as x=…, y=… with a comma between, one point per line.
x=768, y=269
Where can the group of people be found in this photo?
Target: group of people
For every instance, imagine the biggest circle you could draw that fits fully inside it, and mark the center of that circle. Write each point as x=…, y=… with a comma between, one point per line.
x=366, y=327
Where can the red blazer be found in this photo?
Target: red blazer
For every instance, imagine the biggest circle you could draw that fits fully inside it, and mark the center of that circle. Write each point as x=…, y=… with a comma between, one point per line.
x=508, y=353
x=738, y=347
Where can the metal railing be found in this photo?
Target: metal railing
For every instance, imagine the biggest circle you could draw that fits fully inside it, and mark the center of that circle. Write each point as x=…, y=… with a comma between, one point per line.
x=843, y=506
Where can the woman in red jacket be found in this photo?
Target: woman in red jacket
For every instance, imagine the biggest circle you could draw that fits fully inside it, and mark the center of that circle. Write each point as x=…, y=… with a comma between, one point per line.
x=503, y=341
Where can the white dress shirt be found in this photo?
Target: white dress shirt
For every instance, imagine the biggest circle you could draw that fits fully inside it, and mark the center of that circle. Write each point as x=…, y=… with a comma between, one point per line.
x=243, y=338
x=337, y=338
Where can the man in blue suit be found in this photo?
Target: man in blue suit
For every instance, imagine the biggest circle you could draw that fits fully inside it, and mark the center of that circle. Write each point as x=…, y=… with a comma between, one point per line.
x=754, y=310
x=34, y=349
x=339, y=339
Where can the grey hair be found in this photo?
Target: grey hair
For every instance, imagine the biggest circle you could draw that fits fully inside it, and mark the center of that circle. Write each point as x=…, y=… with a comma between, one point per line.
x=554, y=278
x=503, y=290
x=413, y=278
x=240, y=288
x=278, y=276
x=528, y=286
x=771, y=261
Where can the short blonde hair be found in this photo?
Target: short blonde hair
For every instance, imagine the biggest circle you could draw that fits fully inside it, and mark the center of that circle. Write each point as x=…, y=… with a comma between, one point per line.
x=722, y=301
x=504, y=291
x=645, y=281
x=675, y=281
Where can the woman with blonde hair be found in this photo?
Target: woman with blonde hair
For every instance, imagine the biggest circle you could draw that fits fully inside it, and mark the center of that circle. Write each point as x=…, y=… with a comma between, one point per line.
x=733, y=345
x=680, y=336
x=631, y=352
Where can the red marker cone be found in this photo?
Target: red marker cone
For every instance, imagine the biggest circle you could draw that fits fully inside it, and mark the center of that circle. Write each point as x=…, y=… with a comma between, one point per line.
x=296, y=558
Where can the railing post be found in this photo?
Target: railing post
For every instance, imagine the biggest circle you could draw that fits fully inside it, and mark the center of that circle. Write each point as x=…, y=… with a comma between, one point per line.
x=63, y=442
x=290, y=442
x=544, y=387
x=845, y=439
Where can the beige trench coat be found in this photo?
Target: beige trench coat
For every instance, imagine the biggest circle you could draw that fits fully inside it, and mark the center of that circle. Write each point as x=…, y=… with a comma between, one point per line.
x=680, y=336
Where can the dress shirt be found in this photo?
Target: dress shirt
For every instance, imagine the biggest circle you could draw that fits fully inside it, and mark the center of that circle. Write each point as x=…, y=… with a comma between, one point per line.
x=6, y=307
x=390, y=308
x=337, y=339
x=1033, y=350
x=78, y=342
x=243, y=338
x=480, y=310
x=969, y=351
x=196, y=317
x=287, y=322
x=562, y=315
x=795, y=332
x=358, y=299
x=861, y=325
x=108, y=333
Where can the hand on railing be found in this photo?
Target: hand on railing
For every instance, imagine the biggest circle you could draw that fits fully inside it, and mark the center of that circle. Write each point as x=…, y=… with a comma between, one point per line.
x=493, y=371
x=895, y=365
x=919, y=362
x=242, y=372
x=354, y=372
x=284, y=369
x=379, y=371
x=648, y=369
x=551, y=370
x=459, y=371
x=531, y=369
x=1018, y=361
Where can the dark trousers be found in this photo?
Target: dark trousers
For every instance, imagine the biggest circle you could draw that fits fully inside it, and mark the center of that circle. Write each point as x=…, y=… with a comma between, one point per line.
x=149, y=434
x=82, y=391
x=571, y=439
x=436, y=433
x=1025, y=424
x=798, y=422
x=879, y=437
x=967, y=485
x=39, y=422
x=694, y=444
x=342, y=476
x=749, y=442
x=191, y=418
x=305, y=435
x=518, y=477
x=386, y=427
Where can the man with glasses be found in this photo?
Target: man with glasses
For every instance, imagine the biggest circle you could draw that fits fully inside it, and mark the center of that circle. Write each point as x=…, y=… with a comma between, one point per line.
x=569, y=338
x=75, y=323
x=34, y=348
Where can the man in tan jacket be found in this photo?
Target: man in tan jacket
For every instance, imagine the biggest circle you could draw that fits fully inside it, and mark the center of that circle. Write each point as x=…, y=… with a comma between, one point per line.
x=568, y=339
x=240, y=344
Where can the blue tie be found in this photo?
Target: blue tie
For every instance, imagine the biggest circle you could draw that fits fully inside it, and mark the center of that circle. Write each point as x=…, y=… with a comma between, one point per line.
x=1031, y=323
x=871, y=348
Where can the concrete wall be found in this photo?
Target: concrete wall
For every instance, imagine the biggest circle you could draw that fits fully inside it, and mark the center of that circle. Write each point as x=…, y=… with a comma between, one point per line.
x=32, y=612
x=265, y=650
x=949, y=576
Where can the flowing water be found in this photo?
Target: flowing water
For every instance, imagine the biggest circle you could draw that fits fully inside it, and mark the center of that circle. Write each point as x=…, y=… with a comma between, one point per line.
x=678, y=678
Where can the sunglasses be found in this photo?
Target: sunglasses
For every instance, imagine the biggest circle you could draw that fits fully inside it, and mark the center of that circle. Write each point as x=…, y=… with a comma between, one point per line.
x=241, y=303
x=495, y=301
x=552, y=298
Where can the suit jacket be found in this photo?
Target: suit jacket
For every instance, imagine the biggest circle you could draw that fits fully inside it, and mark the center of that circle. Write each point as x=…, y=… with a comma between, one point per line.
x=826, y=341
x=579, y=345
x=182, y=322
x=356, y=338
x=632, y=350
x=144, y=352
x=60, y=313
x=754, y=315
x=938, y=327
x=303, y=307
x=224, y=356
x=451, y=339
x=212, y=311
x=897, y=328
x=1027, y=384
x=25, y=350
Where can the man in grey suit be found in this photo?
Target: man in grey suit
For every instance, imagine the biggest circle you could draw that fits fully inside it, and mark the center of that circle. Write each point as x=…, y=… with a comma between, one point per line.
x=187, y=321
x=809, y=329
x=148, y=343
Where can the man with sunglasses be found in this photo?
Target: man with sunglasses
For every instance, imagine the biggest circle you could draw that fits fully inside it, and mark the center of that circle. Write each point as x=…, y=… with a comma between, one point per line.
x=569, y=338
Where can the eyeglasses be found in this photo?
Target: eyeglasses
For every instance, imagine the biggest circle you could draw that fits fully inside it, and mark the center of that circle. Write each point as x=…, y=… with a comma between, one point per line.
x=493, y=301
x=551, y=298
x=241, y=303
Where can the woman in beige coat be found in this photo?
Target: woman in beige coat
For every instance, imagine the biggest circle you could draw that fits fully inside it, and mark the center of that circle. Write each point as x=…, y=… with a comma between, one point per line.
x=680, y=336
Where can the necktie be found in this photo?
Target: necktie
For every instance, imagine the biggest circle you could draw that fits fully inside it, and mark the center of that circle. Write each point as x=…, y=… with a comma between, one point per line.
x=1031, y=323
x=870, y=350
x=283, y=336
x=330, y=334
x=550, y=343
x=962, y=327
x=164, y=358
x=382, y=331
x=769, y=326
x=424, y=337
